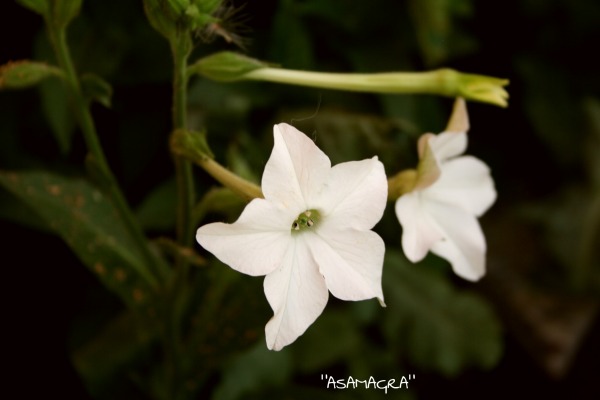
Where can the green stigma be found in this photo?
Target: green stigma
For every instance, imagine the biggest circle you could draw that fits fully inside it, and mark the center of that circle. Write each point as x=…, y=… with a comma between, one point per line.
x=306, y=220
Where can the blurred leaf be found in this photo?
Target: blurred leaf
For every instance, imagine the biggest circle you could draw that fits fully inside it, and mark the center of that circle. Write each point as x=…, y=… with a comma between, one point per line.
x=107, y=359
x=55, y=104
x=39, y=6
x=63, y=11
x=255, y=369
x=592, y=148
x=332, y=338
x=292, y=49
x=438, y=327
x=433, y=20
x=571, y=228
x=218, y=200
x=96, y=88
x=24, y=74
x=157, y=211
x=89, y=224
x=554, y=110
x=228, y=315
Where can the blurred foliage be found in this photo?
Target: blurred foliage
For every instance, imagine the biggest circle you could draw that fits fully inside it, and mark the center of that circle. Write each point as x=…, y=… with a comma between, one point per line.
x=544, y=153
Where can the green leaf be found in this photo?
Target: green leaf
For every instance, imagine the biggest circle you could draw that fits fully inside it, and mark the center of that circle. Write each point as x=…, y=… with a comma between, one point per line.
x=256, y=369
x=25, y=74
x=96, y=88
x=436, y=33
x=63, y=11
x=39, y=6
x=437, y=326
x=89, y=224
x=332, y=338
x=106, y=360
x=157, y=211
x=294, y=49
x=55, y=105
x=220, y=200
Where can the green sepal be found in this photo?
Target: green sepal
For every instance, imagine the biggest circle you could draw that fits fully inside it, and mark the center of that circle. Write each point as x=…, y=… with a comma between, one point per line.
x=24, y=74
x=190, y=144
x=95, y=88
x=161, y=17
x=207, y=6
x=225, y=66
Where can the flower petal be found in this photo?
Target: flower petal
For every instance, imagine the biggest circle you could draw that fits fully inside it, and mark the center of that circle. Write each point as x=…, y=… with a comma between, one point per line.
x=355, y=195
x=419, y=233
x=464, y=244
x=297, y=294
x=448, y=144
x=296, y=171
x=351, y=262
x=255, y=244
x=466, y=183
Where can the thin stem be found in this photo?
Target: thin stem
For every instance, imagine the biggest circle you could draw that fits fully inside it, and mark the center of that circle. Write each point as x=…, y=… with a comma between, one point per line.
x=239, y=185
x=183, y=168
x=86, y=123
x=179, y=288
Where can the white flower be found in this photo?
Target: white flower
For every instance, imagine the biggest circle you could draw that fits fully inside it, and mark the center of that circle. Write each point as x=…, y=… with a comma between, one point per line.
x=311, y=234
x=450, y=192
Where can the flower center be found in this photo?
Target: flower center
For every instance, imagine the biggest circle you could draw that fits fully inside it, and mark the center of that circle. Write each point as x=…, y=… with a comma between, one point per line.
x=306, y=220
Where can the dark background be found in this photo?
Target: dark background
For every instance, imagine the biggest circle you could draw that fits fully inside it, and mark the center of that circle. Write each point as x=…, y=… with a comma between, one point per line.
x=543, y=151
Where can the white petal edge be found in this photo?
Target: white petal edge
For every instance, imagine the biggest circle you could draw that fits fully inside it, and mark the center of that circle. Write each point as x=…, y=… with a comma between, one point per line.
x=297, y=294
x=355, y=195
x=448, y=144
x=255, y=244
x=351, y=262
x=419, y=232
x=464, y=243
x=296, y=170
x=466, y=183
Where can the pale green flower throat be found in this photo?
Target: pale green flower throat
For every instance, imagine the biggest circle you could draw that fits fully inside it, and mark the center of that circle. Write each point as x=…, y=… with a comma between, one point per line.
x=306, y=220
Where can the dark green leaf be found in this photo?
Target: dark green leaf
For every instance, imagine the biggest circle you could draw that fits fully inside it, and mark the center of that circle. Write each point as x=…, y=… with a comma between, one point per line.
x=63, y=11
x=437, y=326
x=55, y=104
x=89, y=224
x=107, y=358
x=256, y=369
x=157, y=211
x=96, y=88
x=39, y=6
x=24, y=74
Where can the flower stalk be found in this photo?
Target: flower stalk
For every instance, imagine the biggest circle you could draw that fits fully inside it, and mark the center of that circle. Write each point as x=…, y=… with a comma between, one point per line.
x=230, y=67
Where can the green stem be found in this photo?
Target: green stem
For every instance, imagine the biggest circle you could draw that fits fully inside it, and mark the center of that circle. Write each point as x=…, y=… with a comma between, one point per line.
x=183, y=168
x=58, y=38
x=178, y=299
x=239, y=185
x=444, y=82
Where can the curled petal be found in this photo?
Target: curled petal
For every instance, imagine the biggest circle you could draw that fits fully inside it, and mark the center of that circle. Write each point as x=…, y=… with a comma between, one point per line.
x=296, y=170
x=297, y=294
x=466, y=183
x=351, y=262
x=255, y=244
x=463, y=244
x=355, y=195
x=419, y=232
